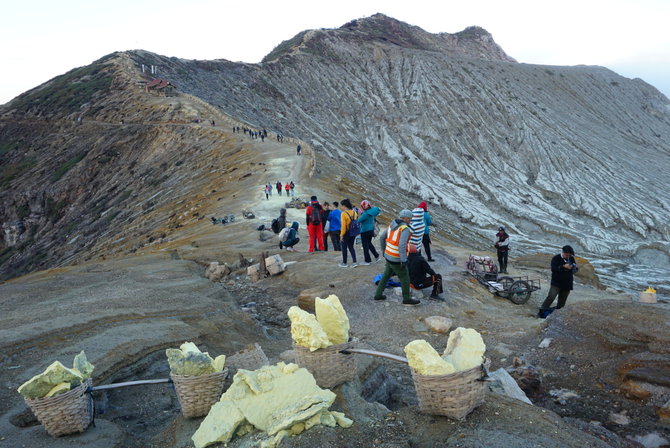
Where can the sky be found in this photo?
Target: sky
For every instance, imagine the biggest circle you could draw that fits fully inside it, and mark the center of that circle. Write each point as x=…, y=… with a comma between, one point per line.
x=45, y=38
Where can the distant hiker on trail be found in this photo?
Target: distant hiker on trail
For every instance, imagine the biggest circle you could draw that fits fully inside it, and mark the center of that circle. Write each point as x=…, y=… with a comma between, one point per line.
x=299, y=149
x=349, y=230
x=394, y=241
x=421, y=275
x=262, y=138
x=502, y=247
x=287, y=187
x=563, y=268
x=418, y=227
x=428, y=221
x=367, y=222
x=291, y=238
x=292, y=189
x=314, y=228
x=278, y=188
x=267, y=189
x=335, y=226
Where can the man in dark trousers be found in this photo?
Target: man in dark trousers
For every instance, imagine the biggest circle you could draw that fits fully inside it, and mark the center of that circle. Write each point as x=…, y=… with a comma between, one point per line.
x=563, y=268
x=421, y=275
x=502, y=247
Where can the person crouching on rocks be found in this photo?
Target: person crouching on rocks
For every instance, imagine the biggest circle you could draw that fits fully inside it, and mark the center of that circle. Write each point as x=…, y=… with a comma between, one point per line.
x=394, y=241
x=563, y=269
x=502, y=247
x=292, y=238
x=421, y=275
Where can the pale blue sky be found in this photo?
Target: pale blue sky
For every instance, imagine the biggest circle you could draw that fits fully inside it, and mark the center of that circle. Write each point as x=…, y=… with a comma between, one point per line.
x=42, y=39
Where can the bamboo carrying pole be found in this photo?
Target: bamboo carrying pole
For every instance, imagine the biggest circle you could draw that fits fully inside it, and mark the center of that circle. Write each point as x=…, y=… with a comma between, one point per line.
x=361, y=351
x=130, y=383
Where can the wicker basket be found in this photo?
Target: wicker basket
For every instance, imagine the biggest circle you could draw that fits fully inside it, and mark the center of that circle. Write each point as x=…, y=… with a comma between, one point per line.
x=197, y=394
x=65, y=413
x=251, y=358
x=454, y=395
x=329, y=367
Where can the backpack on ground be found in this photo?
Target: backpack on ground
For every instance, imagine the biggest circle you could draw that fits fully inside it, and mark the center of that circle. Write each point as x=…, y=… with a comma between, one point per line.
x=315, y=217
x=283, y=235
x=354, y=226
x=275, y=226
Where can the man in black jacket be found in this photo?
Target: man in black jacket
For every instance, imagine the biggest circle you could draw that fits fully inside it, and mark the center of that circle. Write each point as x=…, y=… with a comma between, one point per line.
x=421, y=275
x=563, y=268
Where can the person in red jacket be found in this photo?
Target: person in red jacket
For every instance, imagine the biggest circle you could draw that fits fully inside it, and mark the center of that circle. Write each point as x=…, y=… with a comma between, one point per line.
x=313, y=217
x=287, y=187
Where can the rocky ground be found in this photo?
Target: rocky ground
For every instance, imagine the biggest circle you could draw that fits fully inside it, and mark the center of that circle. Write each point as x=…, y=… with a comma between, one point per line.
x=124, y=312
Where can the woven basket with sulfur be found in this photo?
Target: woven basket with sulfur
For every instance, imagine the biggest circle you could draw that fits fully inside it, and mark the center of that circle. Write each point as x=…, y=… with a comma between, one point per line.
x=66, y=413
x=454, y=395
x=197, y=394
x=251, y=357
x=329, y=367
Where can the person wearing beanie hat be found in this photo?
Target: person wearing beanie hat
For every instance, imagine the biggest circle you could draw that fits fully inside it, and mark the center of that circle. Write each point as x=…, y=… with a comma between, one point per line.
x=502, y=248
x=428, y=221
x=367, y=223
x=563, y=268
x=394, y=245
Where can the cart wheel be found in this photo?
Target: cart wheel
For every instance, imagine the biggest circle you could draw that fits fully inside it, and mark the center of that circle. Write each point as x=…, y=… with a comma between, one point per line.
x=519, y=292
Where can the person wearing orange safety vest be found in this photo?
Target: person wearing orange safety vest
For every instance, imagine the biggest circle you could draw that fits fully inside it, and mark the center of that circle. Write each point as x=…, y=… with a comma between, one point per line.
x=394, y=242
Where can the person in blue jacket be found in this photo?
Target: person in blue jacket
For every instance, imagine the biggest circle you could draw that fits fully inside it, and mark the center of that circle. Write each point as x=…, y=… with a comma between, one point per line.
x=367, y=222
x=334, y=226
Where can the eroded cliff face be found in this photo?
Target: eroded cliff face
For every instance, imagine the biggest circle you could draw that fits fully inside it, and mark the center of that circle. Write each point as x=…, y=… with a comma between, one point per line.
x=557, y=154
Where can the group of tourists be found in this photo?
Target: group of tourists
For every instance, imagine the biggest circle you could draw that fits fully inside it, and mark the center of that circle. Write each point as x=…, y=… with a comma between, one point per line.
x=253, y=133
x=288, y=187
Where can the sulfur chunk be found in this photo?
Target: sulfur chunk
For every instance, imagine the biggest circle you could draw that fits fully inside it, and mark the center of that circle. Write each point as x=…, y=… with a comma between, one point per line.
x=342, y=420
x=333, y=319
x=219, y=363
x=81, y=364
x=189, y=361
x=306, y=330
x=219, y=425
x=58, y=389
x=40, y=385
x=465, y=349
x=425, y=360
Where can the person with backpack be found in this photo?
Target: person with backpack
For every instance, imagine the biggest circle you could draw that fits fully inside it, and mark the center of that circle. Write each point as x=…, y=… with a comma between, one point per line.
x=367, y=223
x=349, y=230
x=292, y=185
x=288, y=237
x=394, y=242
x=313, y=218
x=502, y=247
x=428, y=221
x=334, y=226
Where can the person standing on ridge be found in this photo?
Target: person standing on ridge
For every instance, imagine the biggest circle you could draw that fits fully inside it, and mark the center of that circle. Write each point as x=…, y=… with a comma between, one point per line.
x=502, y=247
x=563, y=269
x=428, y=221
x=314, y=228
x=394, y=241
x=335, y=225
x=347, y=238
x=367, y=222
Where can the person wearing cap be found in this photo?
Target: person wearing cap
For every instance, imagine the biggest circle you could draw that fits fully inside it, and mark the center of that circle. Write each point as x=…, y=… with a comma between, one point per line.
x=421, y=275
x=394, y=241
x=428, y=221
x=563, y=268
x=502, y=247
x=367, y=221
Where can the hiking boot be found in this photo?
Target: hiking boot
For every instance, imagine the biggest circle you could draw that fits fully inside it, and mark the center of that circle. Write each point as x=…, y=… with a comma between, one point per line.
x=354, y=264
x=380, y=298
x=411, y=302
x=437, y=297
x=343, y=265
x=365, y=263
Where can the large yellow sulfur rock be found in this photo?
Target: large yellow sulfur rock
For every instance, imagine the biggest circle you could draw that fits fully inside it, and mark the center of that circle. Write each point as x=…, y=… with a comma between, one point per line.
x=274, y=399
x=465, y=349
x=333, y=319
x=58, y=389
x=81, y=364
x=40, y=385
x=188, y=360
x=306, y=330
x=219, y=363
x=425, y=360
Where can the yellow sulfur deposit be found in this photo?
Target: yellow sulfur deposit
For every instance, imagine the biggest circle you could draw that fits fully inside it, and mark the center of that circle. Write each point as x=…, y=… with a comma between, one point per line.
x=58, y=389
x=280, y=400
x=425, y=360
x=465, y=349
x=188, y=360
x=333, y=319
x=81, y=364
x=306, y=330
x=40, y=385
